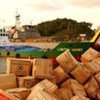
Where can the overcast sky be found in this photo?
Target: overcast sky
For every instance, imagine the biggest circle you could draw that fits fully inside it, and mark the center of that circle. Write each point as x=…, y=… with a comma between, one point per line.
x=37, y=11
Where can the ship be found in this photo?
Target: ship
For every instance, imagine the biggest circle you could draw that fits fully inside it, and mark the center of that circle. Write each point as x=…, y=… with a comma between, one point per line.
x=51, y=50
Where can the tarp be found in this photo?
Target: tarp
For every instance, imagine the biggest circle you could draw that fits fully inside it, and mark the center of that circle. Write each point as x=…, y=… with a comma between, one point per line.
x=20, y=48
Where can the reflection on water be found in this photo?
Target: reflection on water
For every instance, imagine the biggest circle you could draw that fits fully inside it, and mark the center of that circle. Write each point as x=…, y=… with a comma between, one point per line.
x=3, y=65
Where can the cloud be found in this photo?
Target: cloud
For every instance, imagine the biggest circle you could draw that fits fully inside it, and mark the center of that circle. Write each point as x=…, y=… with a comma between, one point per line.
x=45, y=6
x=85, y=3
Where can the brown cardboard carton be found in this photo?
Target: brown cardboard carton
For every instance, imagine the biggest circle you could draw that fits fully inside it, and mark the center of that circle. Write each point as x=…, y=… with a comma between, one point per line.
x=67, y=61
x=53, y=79
x=97, y=77
x=91, y=87
x=22, y=92
x=60, y=74
x=41, y=95
x=98, y=94
x=20, y=67
x=34, y=91
x=80, y=97
x=7, y=81
x=74, y=86
x=81, y=74
x=64, y=94
x=97, y=60
x=7, y=96
x=42, y=68
x=94, y=66
x=96, y=63
x=91, y=67
x=46, y=85
x=27, y=81
x=43, y=91
x=89, y=55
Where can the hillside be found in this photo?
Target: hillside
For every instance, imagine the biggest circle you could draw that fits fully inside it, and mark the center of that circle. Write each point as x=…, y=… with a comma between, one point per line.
x=65, y=29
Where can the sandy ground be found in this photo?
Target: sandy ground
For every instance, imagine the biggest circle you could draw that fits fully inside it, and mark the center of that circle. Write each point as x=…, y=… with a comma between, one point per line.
x=2, y=65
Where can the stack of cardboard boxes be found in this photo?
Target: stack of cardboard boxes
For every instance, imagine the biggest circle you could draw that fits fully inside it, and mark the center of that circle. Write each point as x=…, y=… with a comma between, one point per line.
x=38, y=79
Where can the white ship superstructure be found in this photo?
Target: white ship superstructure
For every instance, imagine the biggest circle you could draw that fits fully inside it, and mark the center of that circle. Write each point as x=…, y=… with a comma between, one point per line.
x=4, y=39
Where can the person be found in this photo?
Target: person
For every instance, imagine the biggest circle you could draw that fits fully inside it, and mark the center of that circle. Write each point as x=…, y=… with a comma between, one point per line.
x=17, y=55
x=29, y=56
x=8, y=53
x=78, y=57
x=54, y=61
x=48, y=49
x=44, y=56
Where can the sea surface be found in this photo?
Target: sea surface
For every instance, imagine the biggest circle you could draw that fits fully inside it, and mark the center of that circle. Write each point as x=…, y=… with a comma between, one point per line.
x=3, y=65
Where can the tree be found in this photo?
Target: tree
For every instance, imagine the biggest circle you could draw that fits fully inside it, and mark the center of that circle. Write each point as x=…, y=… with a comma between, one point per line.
x=67, y=27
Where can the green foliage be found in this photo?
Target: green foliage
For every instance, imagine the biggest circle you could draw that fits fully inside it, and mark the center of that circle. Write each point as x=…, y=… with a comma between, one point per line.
x=0, y=30
x=67, y=28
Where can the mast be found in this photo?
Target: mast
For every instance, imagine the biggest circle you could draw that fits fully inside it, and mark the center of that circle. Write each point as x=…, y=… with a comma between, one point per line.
x=17, y=20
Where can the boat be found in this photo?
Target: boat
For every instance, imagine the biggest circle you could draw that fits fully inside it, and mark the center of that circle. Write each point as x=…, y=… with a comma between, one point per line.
x=9, y=49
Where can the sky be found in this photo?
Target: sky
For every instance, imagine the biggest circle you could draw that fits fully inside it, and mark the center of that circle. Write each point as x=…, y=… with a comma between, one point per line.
x=37, y=11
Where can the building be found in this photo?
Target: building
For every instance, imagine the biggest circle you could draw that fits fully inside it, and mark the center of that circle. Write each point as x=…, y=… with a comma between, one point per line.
x=25, y=32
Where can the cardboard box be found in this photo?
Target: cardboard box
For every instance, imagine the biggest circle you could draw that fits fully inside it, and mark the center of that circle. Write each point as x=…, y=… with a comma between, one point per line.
x=64, y=94
x=27, y=81
x=34, y=91
x=81, y=74
x=60, y=74
x=22, y=93
x=67, y=61
x=42, y=68
x=97, y=77
x=46, y=85
x=96, y=63
x=98, y=94
x=7, y=96
x=74, y=86
x=91, y=87
x=80, y=97
x=89, y=55
x=53, y=79
x=94, y=66
x=91, y=67
x=7, y=81
x=20, y=67
x=41, y=95
x=97, y=60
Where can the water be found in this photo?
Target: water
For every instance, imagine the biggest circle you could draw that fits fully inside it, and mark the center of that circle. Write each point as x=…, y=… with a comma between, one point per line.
x=3, y=65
